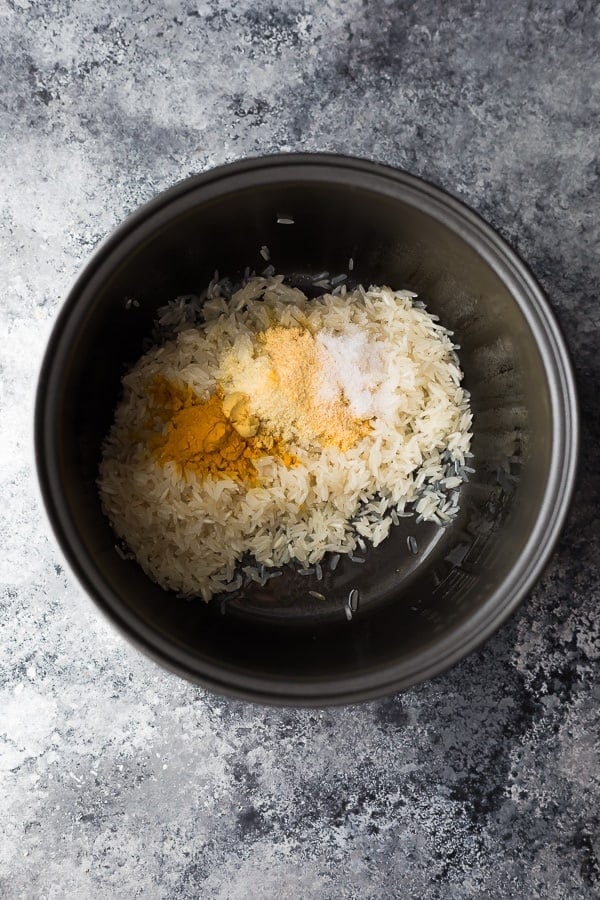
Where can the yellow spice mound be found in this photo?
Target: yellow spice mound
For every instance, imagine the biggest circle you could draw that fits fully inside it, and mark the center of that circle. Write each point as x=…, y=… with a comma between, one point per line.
x=283, y=380
x=200, y=438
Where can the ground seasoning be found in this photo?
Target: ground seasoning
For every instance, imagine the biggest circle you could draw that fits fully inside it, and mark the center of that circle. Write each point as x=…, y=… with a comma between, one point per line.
x=269, y=399
x=284, y=382
x=199, y=437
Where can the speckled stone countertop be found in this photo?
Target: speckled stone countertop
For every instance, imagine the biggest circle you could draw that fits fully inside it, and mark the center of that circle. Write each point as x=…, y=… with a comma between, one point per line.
x=119, y=780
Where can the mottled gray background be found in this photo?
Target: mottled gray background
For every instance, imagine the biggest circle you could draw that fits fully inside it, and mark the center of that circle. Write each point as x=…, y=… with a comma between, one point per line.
x=117, y=779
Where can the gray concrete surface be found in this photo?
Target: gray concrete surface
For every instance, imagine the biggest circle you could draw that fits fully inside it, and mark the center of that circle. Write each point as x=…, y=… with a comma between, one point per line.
x=117, y=779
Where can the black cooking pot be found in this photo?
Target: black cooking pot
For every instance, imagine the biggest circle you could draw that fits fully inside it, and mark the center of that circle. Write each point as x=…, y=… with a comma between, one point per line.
x=419, y=612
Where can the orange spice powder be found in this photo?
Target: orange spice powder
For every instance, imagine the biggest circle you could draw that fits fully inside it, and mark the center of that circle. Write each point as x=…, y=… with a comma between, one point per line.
x=199, y=437
x=298, y=364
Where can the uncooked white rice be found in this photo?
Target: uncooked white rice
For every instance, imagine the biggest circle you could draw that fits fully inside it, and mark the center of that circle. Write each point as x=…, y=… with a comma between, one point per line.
x=190, y=534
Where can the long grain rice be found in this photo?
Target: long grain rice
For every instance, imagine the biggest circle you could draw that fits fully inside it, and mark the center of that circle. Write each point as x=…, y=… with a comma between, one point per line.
x=190, y=534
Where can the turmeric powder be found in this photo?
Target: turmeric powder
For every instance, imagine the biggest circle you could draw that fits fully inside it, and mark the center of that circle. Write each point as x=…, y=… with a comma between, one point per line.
x=200, y=438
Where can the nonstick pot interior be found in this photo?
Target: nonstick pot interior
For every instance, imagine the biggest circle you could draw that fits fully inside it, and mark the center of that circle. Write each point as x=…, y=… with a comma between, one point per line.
x=418, y=613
